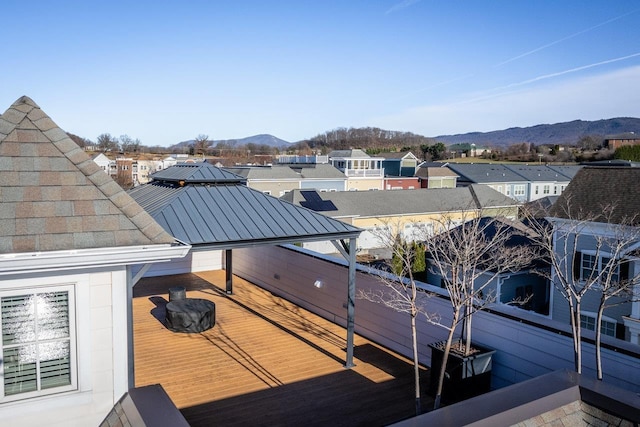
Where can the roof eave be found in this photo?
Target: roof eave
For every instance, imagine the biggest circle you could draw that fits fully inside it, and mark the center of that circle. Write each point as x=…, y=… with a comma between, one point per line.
x=90, y=258
x=274, y=241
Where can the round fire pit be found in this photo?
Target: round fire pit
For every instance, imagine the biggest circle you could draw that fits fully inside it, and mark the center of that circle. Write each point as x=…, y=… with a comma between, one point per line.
x=190, y=315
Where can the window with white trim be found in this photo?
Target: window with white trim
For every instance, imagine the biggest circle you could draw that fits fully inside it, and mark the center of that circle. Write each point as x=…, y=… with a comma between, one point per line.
x=518, y=190
x=588, y=321
x=38, y=342
x=546, y=189
x=590, y=266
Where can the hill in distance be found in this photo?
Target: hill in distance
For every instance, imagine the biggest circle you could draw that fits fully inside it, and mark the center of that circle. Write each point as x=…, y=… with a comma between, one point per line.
x=262, y=139
x=543, y=134
x=559, y=133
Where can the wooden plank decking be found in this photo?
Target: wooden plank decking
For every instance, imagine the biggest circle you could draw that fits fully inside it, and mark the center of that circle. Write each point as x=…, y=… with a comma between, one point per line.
x=265, y=362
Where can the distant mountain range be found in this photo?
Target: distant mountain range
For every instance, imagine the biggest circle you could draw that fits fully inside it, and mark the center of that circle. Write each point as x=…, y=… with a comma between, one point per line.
x=559, y=133
x=262, y=139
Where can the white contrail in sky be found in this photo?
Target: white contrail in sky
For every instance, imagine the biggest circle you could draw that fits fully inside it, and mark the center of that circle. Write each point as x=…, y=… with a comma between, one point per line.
x=573, y=70
x=548, y=76
x=608, y=21
x=403, y=4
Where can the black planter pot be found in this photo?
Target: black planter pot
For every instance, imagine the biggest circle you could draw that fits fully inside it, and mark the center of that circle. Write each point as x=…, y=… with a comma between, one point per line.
x=465, y=376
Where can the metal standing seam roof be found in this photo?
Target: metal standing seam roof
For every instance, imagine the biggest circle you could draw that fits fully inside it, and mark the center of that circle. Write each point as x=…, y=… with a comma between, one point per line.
x=195, y=172
x=229, y=214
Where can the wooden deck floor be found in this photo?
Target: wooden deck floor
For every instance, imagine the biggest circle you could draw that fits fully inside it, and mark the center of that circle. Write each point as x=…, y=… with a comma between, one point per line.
x=265, y=362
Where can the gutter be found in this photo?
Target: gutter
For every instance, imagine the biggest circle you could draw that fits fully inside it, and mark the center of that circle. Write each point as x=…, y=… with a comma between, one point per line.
x=83, y=258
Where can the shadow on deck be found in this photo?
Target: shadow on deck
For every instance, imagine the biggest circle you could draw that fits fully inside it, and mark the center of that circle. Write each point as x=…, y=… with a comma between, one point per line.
x=265, y=362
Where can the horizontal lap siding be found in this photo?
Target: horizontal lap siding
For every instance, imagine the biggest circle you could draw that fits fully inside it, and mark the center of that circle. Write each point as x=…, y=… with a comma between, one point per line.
x=524, y=351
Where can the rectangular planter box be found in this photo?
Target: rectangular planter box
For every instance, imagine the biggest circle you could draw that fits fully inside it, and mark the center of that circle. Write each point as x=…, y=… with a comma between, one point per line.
x=465, y=377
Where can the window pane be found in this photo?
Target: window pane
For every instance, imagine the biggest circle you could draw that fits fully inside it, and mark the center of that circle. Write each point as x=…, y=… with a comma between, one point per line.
x=608, y=328
x=53, y=315
x=55, y=364
x=18, y=319
x=19, y=369
x=587, y=322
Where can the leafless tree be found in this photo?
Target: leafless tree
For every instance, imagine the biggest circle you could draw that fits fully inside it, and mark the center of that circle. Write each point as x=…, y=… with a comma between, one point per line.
x=461, y=248
x=201, y=144
x=604, y=269
x=400, y=292
x=128, y=144
x=481, y=247
x=106, y=142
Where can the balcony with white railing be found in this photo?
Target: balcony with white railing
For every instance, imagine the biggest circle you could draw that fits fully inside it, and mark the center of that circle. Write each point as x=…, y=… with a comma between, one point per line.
x=364, y=173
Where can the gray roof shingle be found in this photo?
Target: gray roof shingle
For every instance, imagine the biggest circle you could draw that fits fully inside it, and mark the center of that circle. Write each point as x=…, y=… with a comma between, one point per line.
x=402, y=202
x=596, y=192
x=54, y=197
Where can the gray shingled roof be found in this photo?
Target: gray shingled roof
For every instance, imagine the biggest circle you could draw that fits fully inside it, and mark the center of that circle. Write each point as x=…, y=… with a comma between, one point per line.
x=264, y=172
x=485, y=173
x=227, y=215
x=54, y=197
x=319, y=171
x=595, y=190
x=355, y=153
x=539, y=173
x=433, y=171
x=401, y=202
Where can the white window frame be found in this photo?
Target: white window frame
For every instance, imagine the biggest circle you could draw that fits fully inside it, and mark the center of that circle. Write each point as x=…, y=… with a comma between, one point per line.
x=519, y=190
x=597, y=262
x=72, y=339
x=588, y=322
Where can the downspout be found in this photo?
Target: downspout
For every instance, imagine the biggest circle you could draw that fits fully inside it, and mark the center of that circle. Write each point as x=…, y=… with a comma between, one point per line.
x=131, y=282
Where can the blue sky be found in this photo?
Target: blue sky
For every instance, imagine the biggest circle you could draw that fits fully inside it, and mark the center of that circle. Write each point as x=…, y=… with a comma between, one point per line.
x=167, y=71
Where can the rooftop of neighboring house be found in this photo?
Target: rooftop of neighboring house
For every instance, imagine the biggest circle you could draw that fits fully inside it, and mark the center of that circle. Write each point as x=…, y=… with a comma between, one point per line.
x=614, y=162
x=539, y=172
x=566, y=170
x=602, y=193
x=352, y=153
x=397, y=155
x=264, y=172
x=485, y=173
x=400, y=202
x=432, y=170
x=318, y=171
x=55, y=197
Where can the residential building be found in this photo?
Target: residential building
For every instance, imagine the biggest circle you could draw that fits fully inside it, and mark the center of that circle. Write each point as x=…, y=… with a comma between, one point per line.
x=436, y=175
x=273, y=180
x=103, y=162
x=69, y=237
x=524, y=183
x=617, y=141
x=408, y=210
x=401, y=182
x=599, y=209
x=320, y=176
x=363, y=171
x=399, y=164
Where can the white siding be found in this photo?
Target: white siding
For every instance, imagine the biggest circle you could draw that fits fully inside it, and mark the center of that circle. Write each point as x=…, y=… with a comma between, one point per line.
x=100, y=297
